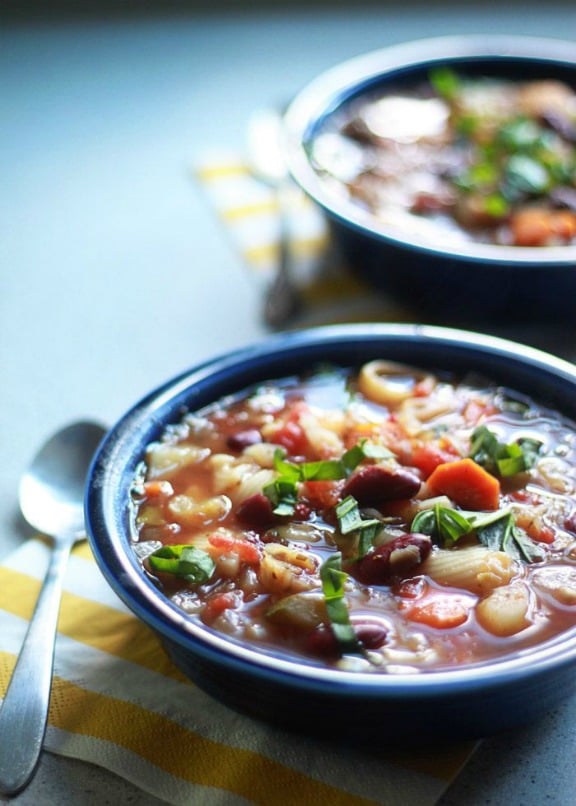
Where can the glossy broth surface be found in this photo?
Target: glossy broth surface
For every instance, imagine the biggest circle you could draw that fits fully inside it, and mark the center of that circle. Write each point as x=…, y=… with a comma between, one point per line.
x=386, y=520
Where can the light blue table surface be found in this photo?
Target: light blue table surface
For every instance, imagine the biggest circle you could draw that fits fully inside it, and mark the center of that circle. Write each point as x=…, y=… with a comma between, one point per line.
x=115, y=274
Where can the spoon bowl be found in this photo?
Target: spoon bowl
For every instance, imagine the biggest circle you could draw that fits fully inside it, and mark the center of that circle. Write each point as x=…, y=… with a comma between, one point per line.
x=51, y=500
x=52, y=489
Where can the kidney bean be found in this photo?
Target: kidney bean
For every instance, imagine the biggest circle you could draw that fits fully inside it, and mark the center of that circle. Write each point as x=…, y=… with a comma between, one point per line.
x=255, y=511
x=373, y=484
x=570, y=522
x=371, y=634
x=243, y=439
x=321, y=641
x=392, y=560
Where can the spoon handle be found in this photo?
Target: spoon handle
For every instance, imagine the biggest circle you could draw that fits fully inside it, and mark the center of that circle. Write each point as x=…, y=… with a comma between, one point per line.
x=282, y=299
x=24, y=712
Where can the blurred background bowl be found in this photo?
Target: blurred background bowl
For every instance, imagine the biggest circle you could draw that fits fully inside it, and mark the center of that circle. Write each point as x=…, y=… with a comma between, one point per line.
x=401, y=708
x=449, y=283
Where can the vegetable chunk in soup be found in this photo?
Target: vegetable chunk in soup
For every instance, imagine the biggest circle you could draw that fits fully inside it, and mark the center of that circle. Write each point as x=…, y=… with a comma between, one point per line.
x=385, y=520
x=460, y=159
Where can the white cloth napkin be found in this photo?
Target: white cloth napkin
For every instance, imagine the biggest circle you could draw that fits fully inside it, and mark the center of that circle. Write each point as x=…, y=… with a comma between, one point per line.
x=248, y=209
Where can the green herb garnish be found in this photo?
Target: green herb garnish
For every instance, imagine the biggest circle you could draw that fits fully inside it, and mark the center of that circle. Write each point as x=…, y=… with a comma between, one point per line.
x=350, y=522
x=443, y=524
x=503, y=459
x=515, y=159
x=189, y=562
x=333, y=580
x=501, y=533
x=446, y=82
x=283, y=491
x=496, y=530
x=524, y=175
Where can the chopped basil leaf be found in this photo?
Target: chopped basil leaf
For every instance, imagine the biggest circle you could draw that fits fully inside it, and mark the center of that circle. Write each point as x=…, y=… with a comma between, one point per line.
x=371, y=450
x=503, y=534
x=530, y=450
x=348, y=515
x=524, y=175
x=326, y=470
x=445, y=81
x=350, y=522
x=352, y=457
x=520, y=134
x=333, y=580
x=502, y=459
x=189, y=562
x=282, y=495
x=283, y=491
x=496, y=205
x=288, y=471
x=495, y=530
x=443, y=524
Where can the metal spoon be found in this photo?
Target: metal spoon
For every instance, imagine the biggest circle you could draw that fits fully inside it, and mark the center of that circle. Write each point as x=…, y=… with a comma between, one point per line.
x=282, y=299
x=51, y=499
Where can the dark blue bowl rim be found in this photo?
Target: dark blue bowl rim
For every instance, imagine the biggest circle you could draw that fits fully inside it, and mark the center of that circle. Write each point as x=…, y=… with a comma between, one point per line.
x=328, y=91
x=113, y=468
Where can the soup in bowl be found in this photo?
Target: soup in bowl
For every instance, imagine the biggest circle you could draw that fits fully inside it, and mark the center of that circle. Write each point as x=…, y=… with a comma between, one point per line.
x=381, y=534
x=446, y=170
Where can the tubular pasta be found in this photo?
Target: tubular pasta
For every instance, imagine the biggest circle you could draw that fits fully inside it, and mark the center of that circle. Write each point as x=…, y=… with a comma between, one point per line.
x=475, y=569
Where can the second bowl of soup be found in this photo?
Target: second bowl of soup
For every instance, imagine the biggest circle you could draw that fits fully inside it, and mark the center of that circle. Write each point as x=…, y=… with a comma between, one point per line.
x=447, y=172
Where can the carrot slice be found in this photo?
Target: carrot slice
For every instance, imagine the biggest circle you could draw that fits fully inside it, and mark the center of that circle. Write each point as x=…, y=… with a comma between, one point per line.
x=466, y=483
x=442, y=613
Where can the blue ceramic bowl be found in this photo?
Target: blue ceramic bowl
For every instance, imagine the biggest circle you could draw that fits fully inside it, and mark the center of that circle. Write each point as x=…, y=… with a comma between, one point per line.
x=455, y=284
x=409, y=708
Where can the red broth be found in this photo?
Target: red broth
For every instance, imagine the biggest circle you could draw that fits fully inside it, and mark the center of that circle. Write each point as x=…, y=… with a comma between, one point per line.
x=459, y=160
x=388, y=520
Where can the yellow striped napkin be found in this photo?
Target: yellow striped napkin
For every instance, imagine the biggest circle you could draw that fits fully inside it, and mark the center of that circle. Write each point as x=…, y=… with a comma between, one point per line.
x=248, y=209
x=118, y=702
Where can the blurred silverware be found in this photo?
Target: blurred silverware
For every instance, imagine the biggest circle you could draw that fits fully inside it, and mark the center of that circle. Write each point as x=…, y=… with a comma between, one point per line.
x=51, y=500
x=282, y=299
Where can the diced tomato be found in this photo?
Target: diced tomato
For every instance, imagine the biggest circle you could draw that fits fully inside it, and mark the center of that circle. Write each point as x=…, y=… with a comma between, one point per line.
x=534, y=528
x=222, y=541
x=247, y=552
x=291, y=435
x=426, y=457
x=524, y=496
x=322, y=494
x=216, y=605
x=541, y=534
x=393, y=436
x=476, y=409
x=412, y=588
x=158, y=489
